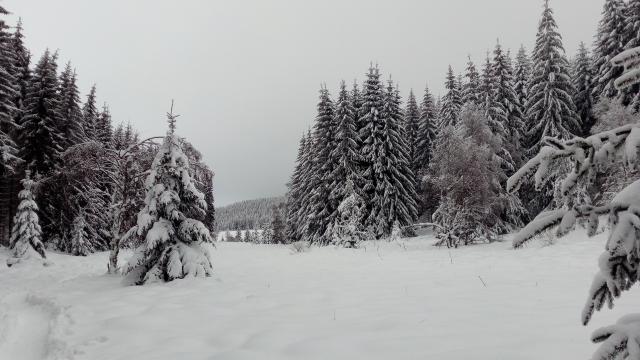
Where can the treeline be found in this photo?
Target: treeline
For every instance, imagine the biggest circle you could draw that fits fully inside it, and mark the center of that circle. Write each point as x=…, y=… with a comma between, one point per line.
x=247, y=215
x=372, y=165
x=87, y=176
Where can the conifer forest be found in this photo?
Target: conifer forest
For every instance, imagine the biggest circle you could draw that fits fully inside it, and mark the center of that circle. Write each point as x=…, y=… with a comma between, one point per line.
x=491, y=214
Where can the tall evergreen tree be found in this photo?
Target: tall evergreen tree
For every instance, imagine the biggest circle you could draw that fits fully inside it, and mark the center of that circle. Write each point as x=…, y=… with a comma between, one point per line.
x=40, y=137
x=521, y=74
x=632, y=38
x=550, y=109
x=505, y=103
x=372, y=150
x=22, y=70
x=412, y=129
x=344, y=155
x=486, y=84
x=426, y=132
x=321, y=204
x=451, y=102
x=471, y=89
x=104, y=130
x=70, y=113
x=296, y=193
x=582, y=79
x=398, y=184
x=609, y=42
x=90, y=115
x=8, y=94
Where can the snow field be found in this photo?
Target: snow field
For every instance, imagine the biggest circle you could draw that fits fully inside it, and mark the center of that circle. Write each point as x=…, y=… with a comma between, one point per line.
x=400, y=300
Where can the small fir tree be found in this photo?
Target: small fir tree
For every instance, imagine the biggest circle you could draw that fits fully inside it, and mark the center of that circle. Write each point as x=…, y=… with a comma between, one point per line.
x=26, y=235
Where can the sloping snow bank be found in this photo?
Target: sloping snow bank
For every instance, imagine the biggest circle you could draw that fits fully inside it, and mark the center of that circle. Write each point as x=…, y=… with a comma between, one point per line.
x=397, y=301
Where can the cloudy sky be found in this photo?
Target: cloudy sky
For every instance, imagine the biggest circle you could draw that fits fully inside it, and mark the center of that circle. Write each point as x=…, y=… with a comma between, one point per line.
x=245, y=73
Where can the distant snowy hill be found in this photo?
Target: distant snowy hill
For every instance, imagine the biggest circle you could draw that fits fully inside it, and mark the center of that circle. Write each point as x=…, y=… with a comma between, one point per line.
x=248, y=214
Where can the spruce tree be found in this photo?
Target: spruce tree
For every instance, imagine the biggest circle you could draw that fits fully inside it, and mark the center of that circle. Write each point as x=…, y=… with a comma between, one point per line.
x=471, y=89
x=26, y=235
x=506, y=108
x=104, y=131
x=412, y=129
x=22, y=70
x=398, y=181
x=372, y=151
x=40, y=137
x=174, y=243
x=451, y=102
x=486, y=85
x=277, y=227
x=90, y=116
x=632, y=38
x=321, y=205
x=210, y=216
x=582, y=79
x=296, y=193
x=70, y=113
x=80, y=245
x=344, y=155
x=609, y=42
x=426, y=132
x=521, y=74
x=8, y=94
x=550, y=109
x=347, y=228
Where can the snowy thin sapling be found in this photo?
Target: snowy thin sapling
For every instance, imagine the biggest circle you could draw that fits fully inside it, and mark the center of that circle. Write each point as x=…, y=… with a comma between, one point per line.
x=26, y=234
x=173, y=243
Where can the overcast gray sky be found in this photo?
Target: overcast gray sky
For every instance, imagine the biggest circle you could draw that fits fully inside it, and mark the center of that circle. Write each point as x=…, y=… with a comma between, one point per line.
x=245, y=73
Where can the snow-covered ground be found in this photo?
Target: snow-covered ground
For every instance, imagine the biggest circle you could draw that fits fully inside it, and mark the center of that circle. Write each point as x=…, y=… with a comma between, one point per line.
x=385, y=301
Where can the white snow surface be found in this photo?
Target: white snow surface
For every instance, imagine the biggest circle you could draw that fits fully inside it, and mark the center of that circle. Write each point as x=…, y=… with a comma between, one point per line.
x=387, y=300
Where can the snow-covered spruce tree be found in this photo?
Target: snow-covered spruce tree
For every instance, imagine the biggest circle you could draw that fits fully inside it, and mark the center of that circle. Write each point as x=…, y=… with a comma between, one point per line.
x=346, y=230
x=70, y=112
x=373, y=144
x=356, y=103
x=427, y=200
x=582, y=78
x=40, y=138
x=344, y=155
x=619, y=264
x=90, y=115
x=471, y=89
x=550, y=109
x=609, y=42
x=23, y=72
x=8, y=84
x=320, y=206
x=521, y=75
x=412, y=129
x=505, y=112
x=426, y=131
x=104, y=130
x=277, y=227
x=372, y=151
x=295, y=194
x=26, y=235
x=632, y=38
x=451, y=101
x=173, y=244
x=79, y=238
x=395, y=187
x=210, y=216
